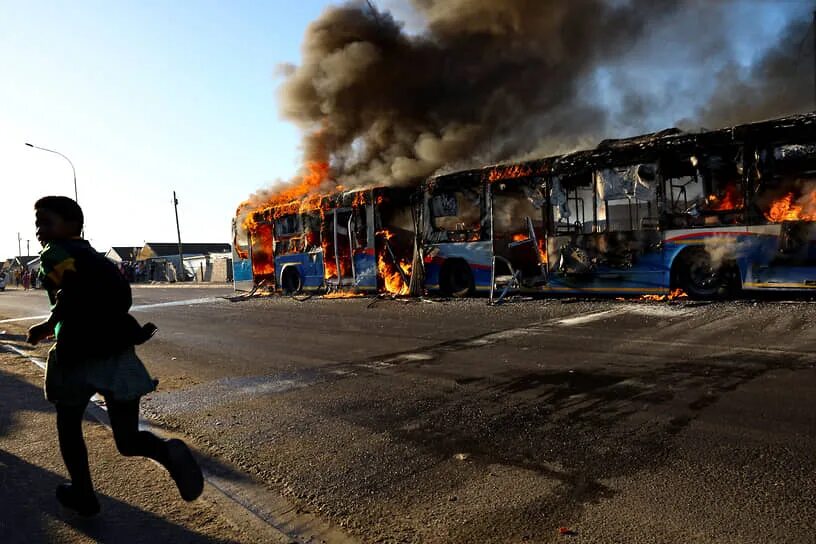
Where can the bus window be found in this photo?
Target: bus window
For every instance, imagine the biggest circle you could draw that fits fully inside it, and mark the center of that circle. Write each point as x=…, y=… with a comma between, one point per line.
x=287, y=235
x=311, y=231
x=360, y=228
x=572, y=202
x=683, y=192
x=240, y=240
x=788, y=183
x=457, y=216
x=627, y=198
x=723, y=200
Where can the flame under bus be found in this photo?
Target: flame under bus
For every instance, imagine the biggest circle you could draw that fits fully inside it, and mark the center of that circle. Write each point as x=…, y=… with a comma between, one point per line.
x=708, y=213
x=356, y=241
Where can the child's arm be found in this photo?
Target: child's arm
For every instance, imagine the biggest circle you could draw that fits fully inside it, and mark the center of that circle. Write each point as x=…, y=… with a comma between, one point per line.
x=55, y=265
x=41, y=331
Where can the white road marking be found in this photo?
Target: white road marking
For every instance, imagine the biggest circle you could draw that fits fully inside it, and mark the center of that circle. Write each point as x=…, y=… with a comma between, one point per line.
x=29, y=318
x=581, y=319
x=137, y=308
x=189, y=302
x=36, y=360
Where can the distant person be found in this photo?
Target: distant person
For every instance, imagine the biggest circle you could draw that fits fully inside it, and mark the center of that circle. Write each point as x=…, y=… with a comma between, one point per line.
x=26, y=280
x=94, y=353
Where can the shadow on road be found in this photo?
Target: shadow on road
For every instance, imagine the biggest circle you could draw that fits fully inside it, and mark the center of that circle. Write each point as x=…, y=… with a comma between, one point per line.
x=29, y=510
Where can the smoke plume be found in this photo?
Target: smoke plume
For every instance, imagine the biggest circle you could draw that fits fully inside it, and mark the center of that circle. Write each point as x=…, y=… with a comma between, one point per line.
x=483, y=81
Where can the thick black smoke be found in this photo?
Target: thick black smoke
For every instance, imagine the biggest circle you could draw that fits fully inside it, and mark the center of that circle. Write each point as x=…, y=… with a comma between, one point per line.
x=779, y=83
x=490, y=80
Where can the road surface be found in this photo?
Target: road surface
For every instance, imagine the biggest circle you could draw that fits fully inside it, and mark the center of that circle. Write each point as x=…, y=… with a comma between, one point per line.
x=452, y=421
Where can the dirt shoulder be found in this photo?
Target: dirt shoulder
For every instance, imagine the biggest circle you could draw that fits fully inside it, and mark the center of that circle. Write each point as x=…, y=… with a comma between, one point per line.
x=139, y=501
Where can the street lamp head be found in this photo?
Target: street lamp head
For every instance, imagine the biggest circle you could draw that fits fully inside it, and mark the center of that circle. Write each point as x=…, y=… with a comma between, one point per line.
x=29, y=145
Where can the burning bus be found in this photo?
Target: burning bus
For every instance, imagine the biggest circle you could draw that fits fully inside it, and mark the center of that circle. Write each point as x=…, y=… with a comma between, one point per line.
x=352, y=241
x=706, y=213
x=709, y=213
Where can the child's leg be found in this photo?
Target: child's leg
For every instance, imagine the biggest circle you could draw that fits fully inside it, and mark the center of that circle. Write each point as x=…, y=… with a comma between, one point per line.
x=173, y=454
x=72, y=445
x=130, y=441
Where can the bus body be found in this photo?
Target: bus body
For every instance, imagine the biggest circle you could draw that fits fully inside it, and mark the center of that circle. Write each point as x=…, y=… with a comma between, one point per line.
x=707, y=213
x=345, y=241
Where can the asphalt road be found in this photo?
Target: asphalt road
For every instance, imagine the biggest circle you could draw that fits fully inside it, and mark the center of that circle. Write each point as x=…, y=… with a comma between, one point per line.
x=452, y=421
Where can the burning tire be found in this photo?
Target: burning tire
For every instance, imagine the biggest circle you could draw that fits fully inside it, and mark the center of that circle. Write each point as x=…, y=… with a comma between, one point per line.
x=696, y=275
x=291, y=283
x=456, y=279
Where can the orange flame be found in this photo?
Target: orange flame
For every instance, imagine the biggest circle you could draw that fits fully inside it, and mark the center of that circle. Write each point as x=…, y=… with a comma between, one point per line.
x=329, y=263
x=731, y=200
x=343, y=294
x=673, y=295
x=785, y=209
x=359, y=199
x=509, y=172
x=542, y=251
x=263, y=259
x=392, y=278
x=303, y=196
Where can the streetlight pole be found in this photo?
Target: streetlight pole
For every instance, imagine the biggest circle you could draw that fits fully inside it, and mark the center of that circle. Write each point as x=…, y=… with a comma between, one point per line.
x=76, y=197
x=180, y=250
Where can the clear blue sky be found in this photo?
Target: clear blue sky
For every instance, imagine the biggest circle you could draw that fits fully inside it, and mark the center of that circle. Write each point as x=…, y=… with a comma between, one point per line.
x=145, y=98
x=153, y=96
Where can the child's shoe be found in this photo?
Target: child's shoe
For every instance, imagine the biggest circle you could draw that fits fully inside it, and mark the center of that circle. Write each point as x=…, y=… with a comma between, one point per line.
x=84, y=504
x=184, y=470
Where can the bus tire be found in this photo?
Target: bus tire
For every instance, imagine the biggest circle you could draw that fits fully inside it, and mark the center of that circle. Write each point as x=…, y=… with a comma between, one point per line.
x=695, y=274
x=456, y=279
x=291, y=283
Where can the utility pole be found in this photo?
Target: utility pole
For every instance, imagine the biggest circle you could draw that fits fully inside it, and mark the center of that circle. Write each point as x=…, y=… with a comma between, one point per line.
x=19, y=246
x=28, y=248
x=178, y=231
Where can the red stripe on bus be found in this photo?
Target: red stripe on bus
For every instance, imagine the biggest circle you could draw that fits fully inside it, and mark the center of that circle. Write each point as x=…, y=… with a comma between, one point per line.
x=712, y=233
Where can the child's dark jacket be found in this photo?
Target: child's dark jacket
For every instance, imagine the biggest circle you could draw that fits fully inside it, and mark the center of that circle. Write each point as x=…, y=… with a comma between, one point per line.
x=90, y=300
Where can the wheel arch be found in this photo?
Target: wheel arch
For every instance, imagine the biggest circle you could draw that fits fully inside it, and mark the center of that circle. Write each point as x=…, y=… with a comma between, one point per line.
x=291, y=268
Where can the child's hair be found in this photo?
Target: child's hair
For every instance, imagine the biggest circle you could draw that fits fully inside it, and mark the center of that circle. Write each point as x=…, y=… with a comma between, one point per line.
x=63, y=206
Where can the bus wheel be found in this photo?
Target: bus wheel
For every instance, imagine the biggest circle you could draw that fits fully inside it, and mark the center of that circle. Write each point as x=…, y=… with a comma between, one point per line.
x=291, y=283
x=701, y=280
x=456, y=279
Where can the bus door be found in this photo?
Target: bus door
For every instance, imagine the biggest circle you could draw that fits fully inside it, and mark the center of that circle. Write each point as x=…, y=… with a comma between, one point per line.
x=361, y=238
x=337, y=248
x=518, y=231
x=313, y=270
x=262, y=248
x=241, y=262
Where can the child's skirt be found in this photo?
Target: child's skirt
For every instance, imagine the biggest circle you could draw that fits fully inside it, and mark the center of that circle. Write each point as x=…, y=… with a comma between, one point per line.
x=121, y=377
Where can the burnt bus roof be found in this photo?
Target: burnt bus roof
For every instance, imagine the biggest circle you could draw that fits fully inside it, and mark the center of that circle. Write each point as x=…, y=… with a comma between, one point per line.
x=342, y=199
x=673, y=142
x=367, y=195
x=791, y=129
x=643, y=148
